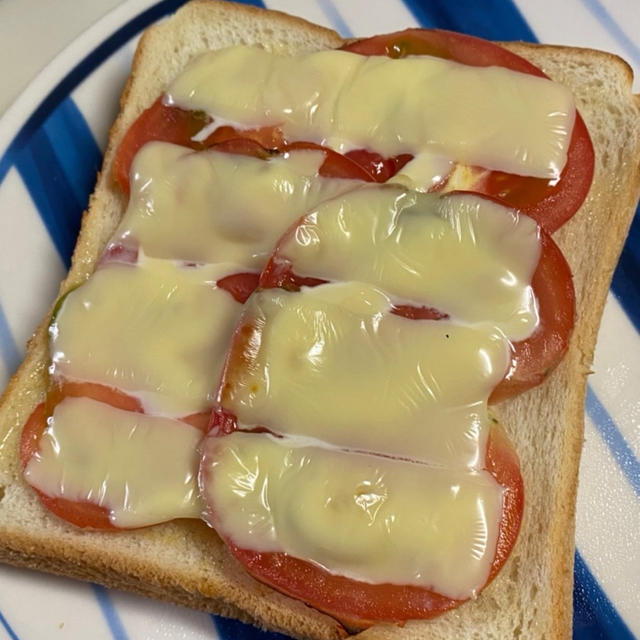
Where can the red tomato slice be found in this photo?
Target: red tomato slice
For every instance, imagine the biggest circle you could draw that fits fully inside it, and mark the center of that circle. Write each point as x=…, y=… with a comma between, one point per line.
x=549, y=202
x=84, y=514
x=99, y=392
x=335, y=164
x=172, y=124
x=418, y=313
x=379, y=168
x=158, y=122
x=360, y=604
x=534, y=358
x=239, y=285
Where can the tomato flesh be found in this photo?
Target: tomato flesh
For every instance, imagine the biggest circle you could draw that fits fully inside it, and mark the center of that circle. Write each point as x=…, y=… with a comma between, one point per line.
x=83, y=514
x=440, y=43
x=239, y=285
x=534, y=358
x=158, y=122
x=549, y=202
x=172, y=124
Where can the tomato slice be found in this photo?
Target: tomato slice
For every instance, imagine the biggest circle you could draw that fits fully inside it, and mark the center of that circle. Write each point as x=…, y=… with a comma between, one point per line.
x=549, y=202
x=86, y=515
x=239, y=285
x=360, y=604
x=534, y=358
x=171, y=124
x=83, y=514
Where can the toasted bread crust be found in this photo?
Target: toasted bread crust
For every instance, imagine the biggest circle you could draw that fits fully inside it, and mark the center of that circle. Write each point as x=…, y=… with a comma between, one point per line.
x=185, y=562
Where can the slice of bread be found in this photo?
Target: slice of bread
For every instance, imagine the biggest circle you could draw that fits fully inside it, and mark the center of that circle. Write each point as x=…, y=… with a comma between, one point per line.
x=184, y=561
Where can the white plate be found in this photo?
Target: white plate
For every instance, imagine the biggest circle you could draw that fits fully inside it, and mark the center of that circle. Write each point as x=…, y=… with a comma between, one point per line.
x=50, y=141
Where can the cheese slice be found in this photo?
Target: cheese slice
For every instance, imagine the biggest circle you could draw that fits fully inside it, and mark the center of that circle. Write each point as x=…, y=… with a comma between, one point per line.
x=331, y=363
x=391, y=106
x=366, y=517
x=156, y=330
x=142, y=469
x=462, y=254
x=215, y=207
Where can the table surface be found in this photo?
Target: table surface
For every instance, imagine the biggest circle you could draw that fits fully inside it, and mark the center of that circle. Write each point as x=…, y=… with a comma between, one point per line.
x=33, y=21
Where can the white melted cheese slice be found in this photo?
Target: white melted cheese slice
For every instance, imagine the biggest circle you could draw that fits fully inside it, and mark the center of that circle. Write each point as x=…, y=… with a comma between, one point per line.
x=334, y=365
x=142, y=469
x=462, y=254
x=156, y=330
x=369, y=398
x=219, y=207
x=369, y=518
x=487, y=116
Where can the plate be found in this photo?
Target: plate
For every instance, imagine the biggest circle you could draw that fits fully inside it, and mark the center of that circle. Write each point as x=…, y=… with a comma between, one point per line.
x=50, y=147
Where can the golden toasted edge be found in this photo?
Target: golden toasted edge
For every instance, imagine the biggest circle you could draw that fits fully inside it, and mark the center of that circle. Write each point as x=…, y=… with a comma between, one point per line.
x=613, y=229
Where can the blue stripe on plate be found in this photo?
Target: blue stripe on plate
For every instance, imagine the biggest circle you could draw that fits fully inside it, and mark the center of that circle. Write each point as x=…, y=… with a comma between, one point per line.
x=615, y=441
x=599, y=11
x=7, y=627
x=58, y=165
x=626, y=278
x=594, y=617
x=110, y=613
x=9, y=351
x=335, y=17
x=229, y=629
x=491, y=19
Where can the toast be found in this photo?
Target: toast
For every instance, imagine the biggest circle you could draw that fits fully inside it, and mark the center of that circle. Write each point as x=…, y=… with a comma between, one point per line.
x=184, y=561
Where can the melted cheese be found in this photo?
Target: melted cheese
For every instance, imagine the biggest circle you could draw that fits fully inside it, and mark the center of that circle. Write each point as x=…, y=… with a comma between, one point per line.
x=219, y=207
x=410, y=105
x=369, y=518
x=142, y=469
x=348, y=383
x=423, y=173
x=333, y=370
x=156, y=330
x=463, y=255
x=334, y=365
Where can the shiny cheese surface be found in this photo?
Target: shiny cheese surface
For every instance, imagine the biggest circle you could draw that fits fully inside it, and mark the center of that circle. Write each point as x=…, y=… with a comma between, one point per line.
x=156, y=330
x=370, y=518
x=218, y=207
x=360, y=396
x=464, y=255
x=335, y=365
x=409, y=105
x=425, y=172
x=142, y=469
